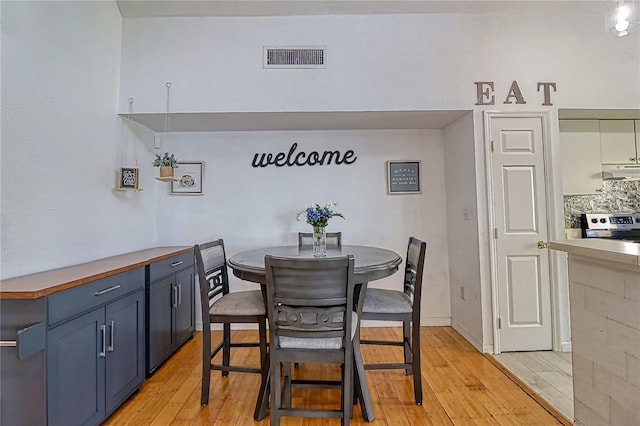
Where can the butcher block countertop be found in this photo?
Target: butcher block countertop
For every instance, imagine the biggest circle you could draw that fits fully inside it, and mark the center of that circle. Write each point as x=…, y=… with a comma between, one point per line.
x=610, y=250
x=44, y=283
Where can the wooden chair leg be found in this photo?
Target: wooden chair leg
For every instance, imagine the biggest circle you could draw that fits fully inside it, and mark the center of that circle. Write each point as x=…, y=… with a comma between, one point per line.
x=206, y=367
x=347, y=389
x=276, y=401
x=262, y=334
x=286, y=393
x=406, y=339
x=226, y=348
x=417, y=369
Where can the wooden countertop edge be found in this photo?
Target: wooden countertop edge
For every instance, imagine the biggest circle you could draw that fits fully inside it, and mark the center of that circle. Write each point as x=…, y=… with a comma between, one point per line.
x=48, y=282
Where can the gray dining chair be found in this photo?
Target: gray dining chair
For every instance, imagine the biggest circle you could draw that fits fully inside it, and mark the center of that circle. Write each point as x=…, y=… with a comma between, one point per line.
x=396, y=305
x=311, y=320
x=224, y=307
x=333, y=239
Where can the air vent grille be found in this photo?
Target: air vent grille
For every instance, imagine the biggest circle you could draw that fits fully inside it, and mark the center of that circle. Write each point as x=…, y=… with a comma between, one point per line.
x=295, y=57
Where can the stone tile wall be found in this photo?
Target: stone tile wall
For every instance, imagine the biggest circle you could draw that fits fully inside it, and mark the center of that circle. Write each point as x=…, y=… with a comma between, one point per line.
x=618, y=196
x=605, y=335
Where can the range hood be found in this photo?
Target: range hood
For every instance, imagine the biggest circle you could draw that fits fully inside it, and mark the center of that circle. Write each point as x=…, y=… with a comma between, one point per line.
x=621, y=171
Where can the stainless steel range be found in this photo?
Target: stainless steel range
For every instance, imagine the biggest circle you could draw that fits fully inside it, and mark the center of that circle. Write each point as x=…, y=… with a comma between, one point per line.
x=617, y=226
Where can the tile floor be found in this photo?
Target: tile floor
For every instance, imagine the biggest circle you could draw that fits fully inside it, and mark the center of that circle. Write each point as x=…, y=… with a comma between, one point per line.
x=548, y=373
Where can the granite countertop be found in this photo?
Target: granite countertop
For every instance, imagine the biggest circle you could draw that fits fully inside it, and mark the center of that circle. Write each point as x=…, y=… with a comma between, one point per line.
x=601, y=248
x=44, y=283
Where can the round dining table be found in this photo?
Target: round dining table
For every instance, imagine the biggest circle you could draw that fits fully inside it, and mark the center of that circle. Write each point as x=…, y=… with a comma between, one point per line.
x=370, y=264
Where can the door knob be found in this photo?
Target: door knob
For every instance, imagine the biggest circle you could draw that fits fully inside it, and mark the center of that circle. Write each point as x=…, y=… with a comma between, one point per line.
x=543, y=244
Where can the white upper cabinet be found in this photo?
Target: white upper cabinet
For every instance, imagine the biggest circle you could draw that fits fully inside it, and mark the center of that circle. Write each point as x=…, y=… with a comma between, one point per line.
x=619, y=141
x=580, y=154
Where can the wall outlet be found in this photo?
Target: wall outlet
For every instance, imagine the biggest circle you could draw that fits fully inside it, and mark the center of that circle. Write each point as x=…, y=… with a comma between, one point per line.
x=461, y=292
x=466, y=214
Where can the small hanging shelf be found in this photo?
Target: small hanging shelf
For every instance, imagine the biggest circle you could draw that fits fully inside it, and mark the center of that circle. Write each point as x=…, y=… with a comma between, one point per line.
x=166, y=172
x=128, y=189
x=129, y=177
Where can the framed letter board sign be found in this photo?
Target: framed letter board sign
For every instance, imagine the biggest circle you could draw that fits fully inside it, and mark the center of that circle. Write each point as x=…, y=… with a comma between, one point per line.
x=403, y=177
x=128, y=178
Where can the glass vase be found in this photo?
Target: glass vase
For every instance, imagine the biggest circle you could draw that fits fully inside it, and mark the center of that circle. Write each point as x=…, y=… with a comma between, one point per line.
x=319, y=241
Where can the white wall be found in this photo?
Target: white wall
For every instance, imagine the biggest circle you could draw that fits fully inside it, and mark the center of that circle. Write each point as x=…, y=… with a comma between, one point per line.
x=61, y=139
x=462, y=230
x=378, y=62
x=252, y=207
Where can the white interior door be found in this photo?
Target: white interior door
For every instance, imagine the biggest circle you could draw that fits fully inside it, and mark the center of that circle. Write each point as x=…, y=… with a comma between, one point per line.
x=522, y=294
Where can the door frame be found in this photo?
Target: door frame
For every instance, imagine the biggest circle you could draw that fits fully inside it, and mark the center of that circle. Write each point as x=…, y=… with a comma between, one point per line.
x=553, y=200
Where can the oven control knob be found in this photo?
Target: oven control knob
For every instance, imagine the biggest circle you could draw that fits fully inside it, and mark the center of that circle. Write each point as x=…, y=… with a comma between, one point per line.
x=603, y=220
x=594, y=220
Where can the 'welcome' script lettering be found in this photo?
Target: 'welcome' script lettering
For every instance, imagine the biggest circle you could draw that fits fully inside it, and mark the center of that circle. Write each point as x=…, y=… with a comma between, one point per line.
x=302, y=158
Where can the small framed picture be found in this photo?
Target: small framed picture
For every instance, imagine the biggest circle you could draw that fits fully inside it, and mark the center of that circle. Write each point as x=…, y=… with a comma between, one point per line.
x=403, y=177
x=128, y=178
x=189, y=176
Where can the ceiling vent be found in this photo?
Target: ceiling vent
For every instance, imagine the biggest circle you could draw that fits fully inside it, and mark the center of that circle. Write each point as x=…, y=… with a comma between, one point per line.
x=295, y=57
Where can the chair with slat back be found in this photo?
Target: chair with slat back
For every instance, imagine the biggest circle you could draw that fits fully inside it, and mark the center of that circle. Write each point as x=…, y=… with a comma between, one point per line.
x=333, y=239
x=224, y=307
x=311, y=320
x=395, y=305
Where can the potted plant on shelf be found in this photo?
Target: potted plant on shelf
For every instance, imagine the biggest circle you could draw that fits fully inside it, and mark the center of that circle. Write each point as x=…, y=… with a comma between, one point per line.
x=166, y=163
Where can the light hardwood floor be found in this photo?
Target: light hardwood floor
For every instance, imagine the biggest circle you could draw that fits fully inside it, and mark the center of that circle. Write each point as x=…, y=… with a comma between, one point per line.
x=460, y=385
x=546, y=373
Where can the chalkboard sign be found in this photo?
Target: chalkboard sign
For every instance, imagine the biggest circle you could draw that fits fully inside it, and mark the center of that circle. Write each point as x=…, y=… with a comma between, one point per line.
x=403, y=177
x=128, y=178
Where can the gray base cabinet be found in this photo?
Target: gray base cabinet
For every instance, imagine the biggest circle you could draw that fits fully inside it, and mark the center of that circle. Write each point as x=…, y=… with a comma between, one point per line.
x=95, y=358
x=22, y=361
x=170, y=307
x=75, y=382
x=73, y=341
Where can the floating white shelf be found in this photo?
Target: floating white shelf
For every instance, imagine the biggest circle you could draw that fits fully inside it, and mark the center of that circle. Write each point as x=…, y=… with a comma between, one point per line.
x=299, y=120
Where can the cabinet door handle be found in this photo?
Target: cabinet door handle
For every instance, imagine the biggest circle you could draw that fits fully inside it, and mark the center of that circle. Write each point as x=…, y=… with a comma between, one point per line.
x=103, y=332
x=112, y=326
x=106, y=290
x=174, y=296
x=177, y=263
x=179, y=291
x=8, y=343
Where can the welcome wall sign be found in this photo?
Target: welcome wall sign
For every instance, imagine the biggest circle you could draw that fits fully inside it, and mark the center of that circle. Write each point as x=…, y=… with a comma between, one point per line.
x=485, y=96
x=314, y=158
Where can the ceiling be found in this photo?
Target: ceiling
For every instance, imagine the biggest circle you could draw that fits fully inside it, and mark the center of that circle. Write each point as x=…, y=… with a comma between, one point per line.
x=202, y=8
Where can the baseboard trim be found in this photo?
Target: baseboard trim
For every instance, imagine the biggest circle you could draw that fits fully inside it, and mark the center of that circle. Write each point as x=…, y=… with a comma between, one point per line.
x=467, y=335
x=565, y=346
x=522, y=385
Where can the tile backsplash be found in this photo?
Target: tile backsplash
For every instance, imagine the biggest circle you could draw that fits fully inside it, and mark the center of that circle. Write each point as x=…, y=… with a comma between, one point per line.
x=617, y=196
